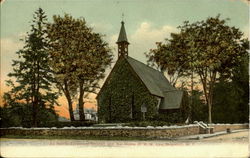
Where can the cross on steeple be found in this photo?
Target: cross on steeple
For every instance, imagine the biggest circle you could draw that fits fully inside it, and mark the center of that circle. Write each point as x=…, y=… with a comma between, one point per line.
x=122, y=41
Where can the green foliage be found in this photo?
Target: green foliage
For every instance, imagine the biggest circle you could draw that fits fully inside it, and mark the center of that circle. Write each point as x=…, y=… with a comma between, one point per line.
x=231, y=96
x=171, y=116
x=33, y=79
x=198, y=107
x=213, y=48
x=115, y=100
x=78, y=58
x=165, y=58
x=147, y=123
x=58, y=124
x=206, y=48
x=21, y=116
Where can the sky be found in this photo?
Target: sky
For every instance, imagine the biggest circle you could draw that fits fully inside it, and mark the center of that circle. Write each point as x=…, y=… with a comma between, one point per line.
x=146, y=22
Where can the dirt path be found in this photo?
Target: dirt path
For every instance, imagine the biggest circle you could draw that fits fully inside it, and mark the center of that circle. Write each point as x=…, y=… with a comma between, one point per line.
x=229, y=145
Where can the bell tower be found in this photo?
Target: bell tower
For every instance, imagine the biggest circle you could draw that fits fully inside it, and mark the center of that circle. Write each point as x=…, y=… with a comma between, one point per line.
x=122, y=42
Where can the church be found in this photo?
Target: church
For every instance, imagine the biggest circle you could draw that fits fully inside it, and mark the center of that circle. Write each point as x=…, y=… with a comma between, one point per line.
x=133, y=91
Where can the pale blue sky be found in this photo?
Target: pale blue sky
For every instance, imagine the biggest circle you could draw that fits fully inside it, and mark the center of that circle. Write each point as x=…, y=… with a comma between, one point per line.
x=146, y=21
x=15, y=14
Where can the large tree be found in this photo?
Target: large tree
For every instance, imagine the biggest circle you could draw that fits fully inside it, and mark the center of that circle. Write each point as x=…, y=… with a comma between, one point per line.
x=214, y=48
x=165, y=58
x=169, y=58
x=211, y=48
x=33, y=80
x=78, y=58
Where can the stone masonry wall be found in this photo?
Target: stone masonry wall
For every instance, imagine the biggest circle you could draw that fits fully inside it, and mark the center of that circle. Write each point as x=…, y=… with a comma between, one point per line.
x=149, y=132
x=224, y=127
x=158, y=132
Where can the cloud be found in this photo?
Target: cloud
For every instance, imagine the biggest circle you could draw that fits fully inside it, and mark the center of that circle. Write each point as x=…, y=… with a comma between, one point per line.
x=148, y=34
x=142, y=39
x=145, y=37
x=112, y=44
x=9, y=46
x=246, y=31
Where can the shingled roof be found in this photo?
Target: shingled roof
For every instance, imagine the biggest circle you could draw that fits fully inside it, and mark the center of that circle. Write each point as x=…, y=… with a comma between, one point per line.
x=154, y=80
x=172, y=99
x=122, y=36
x=157, y=84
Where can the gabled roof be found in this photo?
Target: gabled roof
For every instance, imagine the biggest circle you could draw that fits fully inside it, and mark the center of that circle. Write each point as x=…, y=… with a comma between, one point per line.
x=172, y=99
x=153, y=79
x=156, y=83
x=122, y=36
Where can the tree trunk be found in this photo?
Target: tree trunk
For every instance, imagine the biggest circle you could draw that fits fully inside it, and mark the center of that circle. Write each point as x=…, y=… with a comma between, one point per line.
x=71, y=114
x=67, y=94
x=210, y=95
x=191, y=100
x=208, y=91
x=209, y=112
x=80, y=102
x=35, y=90
x=34, y=113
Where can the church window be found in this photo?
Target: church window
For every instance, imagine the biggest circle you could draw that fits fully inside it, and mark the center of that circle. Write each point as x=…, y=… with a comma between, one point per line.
x=158, y=103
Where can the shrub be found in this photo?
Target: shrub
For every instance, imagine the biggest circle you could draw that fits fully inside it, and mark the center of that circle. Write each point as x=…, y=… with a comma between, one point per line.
x=68, y=124
x=147, y=123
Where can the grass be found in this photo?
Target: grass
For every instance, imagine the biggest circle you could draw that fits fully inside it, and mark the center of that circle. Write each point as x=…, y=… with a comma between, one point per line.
x=75, y=137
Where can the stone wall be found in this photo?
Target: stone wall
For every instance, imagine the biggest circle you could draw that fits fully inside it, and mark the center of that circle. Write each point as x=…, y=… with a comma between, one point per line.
x=158, y=132
x=224, y=127
x=145, y=132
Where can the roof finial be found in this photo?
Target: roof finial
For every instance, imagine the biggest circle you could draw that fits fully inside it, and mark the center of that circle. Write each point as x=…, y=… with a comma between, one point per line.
x=122, y=17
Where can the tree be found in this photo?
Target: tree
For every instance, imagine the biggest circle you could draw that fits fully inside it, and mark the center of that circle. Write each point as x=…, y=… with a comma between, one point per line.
x=214, y=48
x=171, y=59
x=78, y=58
x=164, y=57
x=198, y=109
x=231, y=95
x=33, y=80
x=206, y=49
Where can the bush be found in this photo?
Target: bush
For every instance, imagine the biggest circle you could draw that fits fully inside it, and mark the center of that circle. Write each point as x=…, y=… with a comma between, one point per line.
x=20, y=115
x=58, y=124
x=147, y=123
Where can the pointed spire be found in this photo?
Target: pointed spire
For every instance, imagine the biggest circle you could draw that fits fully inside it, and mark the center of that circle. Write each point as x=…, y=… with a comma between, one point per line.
x=122, y=42
x=122, y=36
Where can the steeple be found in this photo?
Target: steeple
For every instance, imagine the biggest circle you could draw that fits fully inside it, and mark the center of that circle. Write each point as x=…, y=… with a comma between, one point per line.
x=122, y=42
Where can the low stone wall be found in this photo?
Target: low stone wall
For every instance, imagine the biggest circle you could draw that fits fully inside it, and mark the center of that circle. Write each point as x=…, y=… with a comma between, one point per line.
x=224, y=127
x=148, y=132
x=158, y=132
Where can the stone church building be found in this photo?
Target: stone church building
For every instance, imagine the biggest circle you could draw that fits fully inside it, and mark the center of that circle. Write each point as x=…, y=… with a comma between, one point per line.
x=134, y=91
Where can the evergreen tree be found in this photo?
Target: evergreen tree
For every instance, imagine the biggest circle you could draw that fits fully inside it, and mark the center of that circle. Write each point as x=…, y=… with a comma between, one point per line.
x=33, y=77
